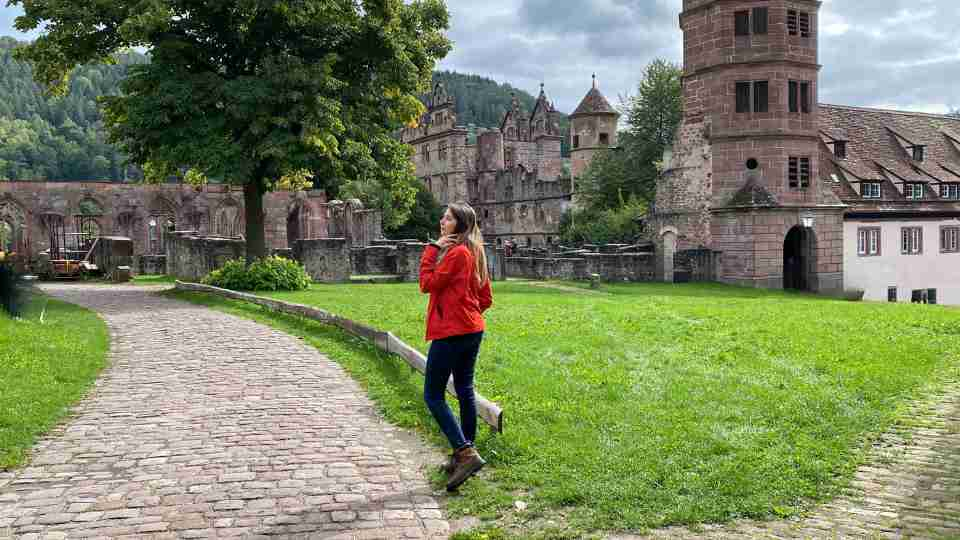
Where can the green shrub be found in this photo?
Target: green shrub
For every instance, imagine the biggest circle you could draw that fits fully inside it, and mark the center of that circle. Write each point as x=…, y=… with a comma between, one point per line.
x=267, y=274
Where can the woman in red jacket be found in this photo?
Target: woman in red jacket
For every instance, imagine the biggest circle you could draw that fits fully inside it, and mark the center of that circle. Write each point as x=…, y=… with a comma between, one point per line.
x=454, y=271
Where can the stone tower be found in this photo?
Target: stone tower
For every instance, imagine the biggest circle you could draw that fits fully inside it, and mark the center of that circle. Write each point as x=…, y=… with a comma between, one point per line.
x=593, y=127
x=743, y=176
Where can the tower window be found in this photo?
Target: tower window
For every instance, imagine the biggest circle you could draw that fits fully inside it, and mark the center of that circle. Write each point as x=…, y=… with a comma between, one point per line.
x=799, y=96
x=798, y=23
x=761, y=96
x=760, y=20
x=798, y=172
x=742, y=23
x=576, y=141
x=604, y=139
x=753, y=93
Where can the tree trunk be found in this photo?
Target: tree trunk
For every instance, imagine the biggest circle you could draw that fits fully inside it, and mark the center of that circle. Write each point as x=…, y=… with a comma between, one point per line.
x=253, y=210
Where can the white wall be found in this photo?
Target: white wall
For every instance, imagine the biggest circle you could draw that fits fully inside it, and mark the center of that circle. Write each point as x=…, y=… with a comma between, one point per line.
x=928, y=270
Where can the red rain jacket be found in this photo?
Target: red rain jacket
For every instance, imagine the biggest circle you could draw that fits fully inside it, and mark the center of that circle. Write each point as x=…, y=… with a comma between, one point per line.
x=457, y=299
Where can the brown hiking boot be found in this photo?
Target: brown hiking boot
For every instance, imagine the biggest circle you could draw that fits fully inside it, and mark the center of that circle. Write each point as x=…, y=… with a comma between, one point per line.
x=467, y=463
x=450, y=465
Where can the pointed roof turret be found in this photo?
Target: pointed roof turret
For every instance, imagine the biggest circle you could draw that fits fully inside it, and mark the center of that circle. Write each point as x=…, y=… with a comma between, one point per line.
x=594, y=102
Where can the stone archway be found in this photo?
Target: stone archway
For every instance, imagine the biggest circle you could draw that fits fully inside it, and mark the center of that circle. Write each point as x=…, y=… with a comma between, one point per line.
x=668, y=245
x=799, y=259
x=298, y=223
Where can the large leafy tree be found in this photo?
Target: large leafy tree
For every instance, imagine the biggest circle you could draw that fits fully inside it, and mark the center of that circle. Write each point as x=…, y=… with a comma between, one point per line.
x=253, y=91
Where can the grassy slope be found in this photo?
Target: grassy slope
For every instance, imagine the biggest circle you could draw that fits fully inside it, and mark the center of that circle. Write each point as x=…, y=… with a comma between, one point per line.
x=44, y=368
x=666, y=404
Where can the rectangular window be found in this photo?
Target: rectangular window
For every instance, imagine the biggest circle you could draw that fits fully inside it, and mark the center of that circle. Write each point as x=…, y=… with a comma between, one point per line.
x=868, y=241
x=761, y=96
x=442, y=151
x=950, y=240
x=891, y=294
x=793, y=22
x=918, y=153
x=931, y=296
x=913, y=191
x=426, y=152
x=870, y=190
x=911, y=240
x=799, y=96
x=804, y=24
x=950, y=191
x=604, y=139
x=743, y=97
x=742, y=23
x=840, y=150
x=576, y=141
x=760, y=20
x=798, y=172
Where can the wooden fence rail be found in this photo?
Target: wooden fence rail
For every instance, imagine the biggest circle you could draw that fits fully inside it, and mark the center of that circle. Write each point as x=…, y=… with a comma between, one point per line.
x=488, y=411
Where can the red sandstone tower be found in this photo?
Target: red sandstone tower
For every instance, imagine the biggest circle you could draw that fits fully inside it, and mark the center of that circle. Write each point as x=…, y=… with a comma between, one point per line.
x=743, y=177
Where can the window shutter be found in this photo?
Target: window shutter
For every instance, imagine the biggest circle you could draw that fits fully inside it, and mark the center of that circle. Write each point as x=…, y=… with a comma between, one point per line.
x=742, y=23
x=793, y=92
x=743, y=97
x=761, y=96
x=760, y=20
x=805, y=97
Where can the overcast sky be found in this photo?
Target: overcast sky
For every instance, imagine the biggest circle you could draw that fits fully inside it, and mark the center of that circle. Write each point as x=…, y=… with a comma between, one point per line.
x=902, y=54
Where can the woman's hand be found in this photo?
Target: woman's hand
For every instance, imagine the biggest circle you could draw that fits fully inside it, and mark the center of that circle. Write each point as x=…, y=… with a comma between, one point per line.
x=448, y=240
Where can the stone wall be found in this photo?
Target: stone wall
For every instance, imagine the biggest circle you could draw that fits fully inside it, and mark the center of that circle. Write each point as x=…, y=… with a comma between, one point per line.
x=110, y=252
x=190, y=257
x=325, y=259
x=613, y=267
x=374, y=260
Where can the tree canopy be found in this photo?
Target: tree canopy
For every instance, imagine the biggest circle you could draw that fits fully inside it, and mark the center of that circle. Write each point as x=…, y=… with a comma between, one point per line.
x=254, y=90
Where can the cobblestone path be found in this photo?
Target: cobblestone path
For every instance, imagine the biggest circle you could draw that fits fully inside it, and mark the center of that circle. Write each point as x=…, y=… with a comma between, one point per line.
x=210, y=426
x=909, y=489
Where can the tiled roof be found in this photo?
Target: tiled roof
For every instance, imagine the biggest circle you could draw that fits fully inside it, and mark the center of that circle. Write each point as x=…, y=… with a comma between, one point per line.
x=594, y=103
x=878, y=143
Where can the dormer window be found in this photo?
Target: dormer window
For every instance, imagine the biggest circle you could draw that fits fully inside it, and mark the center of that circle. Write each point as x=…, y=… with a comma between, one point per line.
x=870, y=190
x=913, y=191
x=950, y=191
x=840, y=149
x=918, y=153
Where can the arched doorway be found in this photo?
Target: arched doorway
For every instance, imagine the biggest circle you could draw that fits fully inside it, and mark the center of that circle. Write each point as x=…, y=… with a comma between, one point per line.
x=799, y=260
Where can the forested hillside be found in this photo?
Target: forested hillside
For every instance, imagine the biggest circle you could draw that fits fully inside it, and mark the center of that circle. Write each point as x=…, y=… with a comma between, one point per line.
x=63, y=138
x=482, y=102
x=58, y=138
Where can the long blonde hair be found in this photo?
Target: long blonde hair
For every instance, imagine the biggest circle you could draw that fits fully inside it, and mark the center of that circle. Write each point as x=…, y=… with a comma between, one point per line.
x=468, y=232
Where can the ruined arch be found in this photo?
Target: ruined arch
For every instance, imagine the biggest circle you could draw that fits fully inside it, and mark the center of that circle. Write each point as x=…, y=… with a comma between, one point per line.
x=299, y=216
x=161, y=221
x=13, y=226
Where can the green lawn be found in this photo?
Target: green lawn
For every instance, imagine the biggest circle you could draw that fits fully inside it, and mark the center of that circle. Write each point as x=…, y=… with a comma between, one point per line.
x=656, y=404
x=153, y=279
x=44, y=368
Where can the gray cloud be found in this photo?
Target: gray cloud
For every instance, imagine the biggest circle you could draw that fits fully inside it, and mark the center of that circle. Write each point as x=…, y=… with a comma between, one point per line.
x=890, y=53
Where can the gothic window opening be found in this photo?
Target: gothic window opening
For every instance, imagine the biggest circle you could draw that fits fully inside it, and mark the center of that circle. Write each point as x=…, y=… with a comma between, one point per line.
x=56, y=235
x=228, y=222
x=8, y=241
x=798, y=172
x=159, y=227
x=12, y=228
x=88, y=230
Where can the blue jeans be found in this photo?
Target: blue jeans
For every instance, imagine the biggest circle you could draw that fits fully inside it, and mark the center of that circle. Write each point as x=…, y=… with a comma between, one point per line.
x=455, y=355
